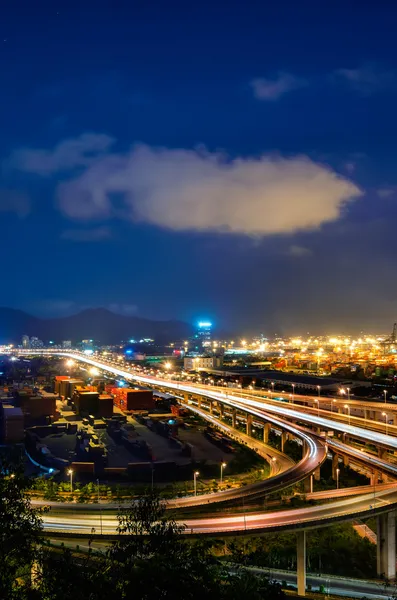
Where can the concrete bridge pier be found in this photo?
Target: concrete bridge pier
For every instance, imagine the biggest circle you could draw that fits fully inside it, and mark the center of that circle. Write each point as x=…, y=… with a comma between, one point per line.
x=199, y=401
x=221, y=409
x=386, y=546
x=335, y=465
x=284, y=438
x=234, y=417
x=317, y=474
x=211, y=407
x=382, y=453
x=249, y=424
x=301, y=562
x=266, y=431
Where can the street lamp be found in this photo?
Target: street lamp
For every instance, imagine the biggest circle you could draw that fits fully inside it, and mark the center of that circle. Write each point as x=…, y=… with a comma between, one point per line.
x=337, y=478
x=70, y=472
x=318, y=406
x=348, y=393
x=385, y=393
x=293, y=392
x=319, y=389
x=99, y=502
x=223, y=465
x=195, y=482
x=348, y=411
x=272, y=384
x=386, y=424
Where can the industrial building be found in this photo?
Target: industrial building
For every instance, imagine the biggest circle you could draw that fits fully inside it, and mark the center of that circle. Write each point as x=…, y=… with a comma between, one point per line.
x=12, y=424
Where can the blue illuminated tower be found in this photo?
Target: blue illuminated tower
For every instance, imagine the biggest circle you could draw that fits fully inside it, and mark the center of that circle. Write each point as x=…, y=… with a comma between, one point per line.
x=204, y=333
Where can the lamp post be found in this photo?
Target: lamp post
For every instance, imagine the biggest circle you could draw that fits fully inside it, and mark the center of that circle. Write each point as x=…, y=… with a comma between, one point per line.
x=319, y=390
x=293, y=393
x=99, y=502
x=348, y=411
x=272, y=384
x=195, y=482
x=385, y=393
x=337, y=478
x=70, y=472
x=332, y=404
x=348, y=393
x=386, y=424
x=223, y=465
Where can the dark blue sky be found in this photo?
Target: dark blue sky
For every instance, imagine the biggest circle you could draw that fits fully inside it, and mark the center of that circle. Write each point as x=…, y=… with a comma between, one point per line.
x=233, y=161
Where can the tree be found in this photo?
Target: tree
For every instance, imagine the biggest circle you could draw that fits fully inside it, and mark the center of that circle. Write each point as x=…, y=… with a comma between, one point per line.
x=20, y=527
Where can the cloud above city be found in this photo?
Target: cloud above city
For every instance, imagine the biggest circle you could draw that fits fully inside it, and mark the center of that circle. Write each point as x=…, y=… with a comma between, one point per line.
x=270, y=89
x=367, y=79
x=191, y=190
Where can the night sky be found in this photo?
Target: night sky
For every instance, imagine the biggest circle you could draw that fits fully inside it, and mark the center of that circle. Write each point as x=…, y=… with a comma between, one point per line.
x=232, y=161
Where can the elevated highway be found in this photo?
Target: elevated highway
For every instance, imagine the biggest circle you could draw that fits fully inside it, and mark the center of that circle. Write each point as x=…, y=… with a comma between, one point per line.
x=380, y=503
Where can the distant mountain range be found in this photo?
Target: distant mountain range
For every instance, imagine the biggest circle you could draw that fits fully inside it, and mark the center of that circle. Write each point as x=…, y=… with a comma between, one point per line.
x=98, y=324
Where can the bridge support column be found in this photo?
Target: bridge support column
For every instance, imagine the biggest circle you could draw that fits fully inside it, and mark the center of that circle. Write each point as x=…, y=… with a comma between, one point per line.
x=386, y=546
x=221, y=407
x=382, y=453
x=301, y=562
x=199, y=401
x=266, y=431
x=284, y=438
x=211, y=407
x=317, y=474
x=373, y=480
x=345, y=461
x=249, y=425
x=335, y=465
x=234, y=418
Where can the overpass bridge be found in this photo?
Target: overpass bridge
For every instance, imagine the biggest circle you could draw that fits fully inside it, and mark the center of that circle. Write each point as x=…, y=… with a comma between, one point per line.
x=381, y=504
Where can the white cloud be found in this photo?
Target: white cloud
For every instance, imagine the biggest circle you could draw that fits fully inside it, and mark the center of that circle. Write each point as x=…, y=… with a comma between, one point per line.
x=15, y=202
x=96, y=234
x=69, y=154
x=196, y=190
x=386, y=192
x=368, y=78
x=299, y=251
x=273, y=89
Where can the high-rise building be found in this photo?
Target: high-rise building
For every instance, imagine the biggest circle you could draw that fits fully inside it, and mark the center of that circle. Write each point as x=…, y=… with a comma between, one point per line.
x=36, y=343
x=66, y=344
x=25, y=341
x=204, y=332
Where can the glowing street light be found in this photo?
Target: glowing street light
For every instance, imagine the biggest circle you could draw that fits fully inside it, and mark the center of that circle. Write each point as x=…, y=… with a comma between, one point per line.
x=293, y=392
x=94, y=371
x=348, y=393
x=337, y=478
x=332, y=404
x=70, y=472
x=385, y=393
x=70, y=363
x=223, y=465
x=319, y=390
x=195, y=482
x=168, y=365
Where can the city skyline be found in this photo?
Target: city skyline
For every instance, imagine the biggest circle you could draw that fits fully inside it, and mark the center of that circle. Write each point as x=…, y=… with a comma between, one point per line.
x=158, y=163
